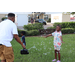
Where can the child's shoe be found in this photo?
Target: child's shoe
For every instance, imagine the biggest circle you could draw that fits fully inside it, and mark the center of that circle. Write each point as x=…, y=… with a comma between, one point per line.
x=58, y=61
x=54, y=60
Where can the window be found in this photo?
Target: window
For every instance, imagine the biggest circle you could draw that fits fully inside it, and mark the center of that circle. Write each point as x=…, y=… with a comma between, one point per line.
x=29, y=17
x=45, y=16
x=6, y=16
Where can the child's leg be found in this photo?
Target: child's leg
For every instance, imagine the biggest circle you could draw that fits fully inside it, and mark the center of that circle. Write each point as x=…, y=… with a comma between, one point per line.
x=59, y=55
x=55, y=47
x=58, y=50
x=55, y=54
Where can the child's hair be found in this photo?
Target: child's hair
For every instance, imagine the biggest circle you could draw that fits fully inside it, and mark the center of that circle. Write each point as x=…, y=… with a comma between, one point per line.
x=23, y=32
x=59, y=26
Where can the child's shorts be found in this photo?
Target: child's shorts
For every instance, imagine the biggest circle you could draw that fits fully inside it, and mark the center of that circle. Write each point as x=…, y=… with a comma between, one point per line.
x=24, y=44
x=57, y=47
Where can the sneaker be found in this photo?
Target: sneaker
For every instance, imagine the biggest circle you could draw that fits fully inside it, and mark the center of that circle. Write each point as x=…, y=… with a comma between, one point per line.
x=58, y=61
x=54, y=60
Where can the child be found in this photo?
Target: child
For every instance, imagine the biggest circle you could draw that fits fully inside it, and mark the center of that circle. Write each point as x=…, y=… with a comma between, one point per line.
x=23, y=37
x=57, y=41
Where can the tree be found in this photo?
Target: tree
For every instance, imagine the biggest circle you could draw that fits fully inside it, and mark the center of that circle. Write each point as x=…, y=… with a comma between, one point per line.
x=72, y=13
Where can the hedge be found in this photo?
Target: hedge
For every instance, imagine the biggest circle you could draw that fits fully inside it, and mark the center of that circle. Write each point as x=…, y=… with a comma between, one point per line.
x=35, y=26
x=51, y=28
x=65, y=24
x=68, y=30
x=29, y=33
x=63, y=30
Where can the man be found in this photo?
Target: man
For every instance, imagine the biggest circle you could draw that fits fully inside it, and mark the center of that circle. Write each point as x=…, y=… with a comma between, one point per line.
x=8, y=30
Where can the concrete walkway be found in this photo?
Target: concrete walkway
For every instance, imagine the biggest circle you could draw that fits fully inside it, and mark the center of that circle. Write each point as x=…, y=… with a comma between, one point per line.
x=20, y=27
x=48, y=25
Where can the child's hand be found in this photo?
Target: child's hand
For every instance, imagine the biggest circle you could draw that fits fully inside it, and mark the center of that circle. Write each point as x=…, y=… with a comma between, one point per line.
x=62, y=42
x=24, y=46
x=45, y=36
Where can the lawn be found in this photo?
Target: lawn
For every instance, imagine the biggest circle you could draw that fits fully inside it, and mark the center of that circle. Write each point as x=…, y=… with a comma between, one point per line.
x=42, y=49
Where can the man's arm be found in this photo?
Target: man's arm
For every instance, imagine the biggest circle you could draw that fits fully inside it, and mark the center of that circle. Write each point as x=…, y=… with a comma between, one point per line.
x=18, y=40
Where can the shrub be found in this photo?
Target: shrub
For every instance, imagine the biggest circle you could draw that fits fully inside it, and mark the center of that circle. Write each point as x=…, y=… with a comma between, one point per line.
x=64, y=31
x=35, y=26
x=32, y=33
x=4, y=18
x=49, y=20
x=19, y=32
x=29, y=33
x=65, y=24
x=68, y=30
x=51, y=28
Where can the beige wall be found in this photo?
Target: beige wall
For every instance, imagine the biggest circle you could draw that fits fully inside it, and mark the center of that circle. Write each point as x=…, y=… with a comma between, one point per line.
x=41, y=16
x=65, y=18
x=1, y=16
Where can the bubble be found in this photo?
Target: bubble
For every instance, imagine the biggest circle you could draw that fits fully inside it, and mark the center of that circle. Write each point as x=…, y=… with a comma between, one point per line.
x=34, y=46
x=45, y=53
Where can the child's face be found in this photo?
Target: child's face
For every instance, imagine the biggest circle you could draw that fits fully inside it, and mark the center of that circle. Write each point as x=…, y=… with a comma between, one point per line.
x=21, y=34
x=58, y=28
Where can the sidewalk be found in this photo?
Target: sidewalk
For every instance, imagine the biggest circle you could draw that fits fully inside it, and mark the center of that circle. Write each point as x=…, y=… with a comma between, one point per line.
x=20, y=27
x=48, y=25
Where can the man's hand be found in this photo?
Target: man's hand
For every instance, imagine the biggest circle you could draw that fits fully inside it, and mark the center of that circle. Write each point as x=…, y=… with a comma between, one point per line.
x=24, y=46
x=18, y=40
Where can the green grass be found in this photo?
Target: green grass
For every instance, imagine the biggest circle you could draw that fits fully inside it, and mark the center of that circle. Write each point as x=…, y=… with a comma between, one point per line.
x=42, y=49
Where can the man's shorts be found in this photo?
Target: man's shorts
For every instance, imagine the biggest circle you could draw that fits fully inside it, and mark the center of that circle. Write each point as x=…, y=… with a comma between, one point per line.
x=57, y=47
x=6, y=53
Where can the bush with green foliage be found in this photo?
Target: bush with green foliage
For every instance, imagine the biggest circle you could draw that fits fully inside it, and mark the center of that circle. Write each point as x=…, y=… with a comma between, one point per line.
x=29, y=33
x=68, y=30
x=65, y=30
x=65, y=24
x=35, y=26
x=4, y=18
x=51, y=28
x=49, y=20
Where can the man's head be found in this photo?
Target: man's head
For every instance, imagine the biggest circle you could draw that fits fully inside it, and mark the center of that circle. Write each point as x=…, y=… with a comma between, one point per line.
x=11, y=16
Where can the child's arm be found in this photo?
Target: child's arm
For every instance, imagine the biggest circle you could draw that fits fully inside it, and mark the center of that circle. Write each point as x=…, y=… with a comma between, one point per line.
x=48, y=35
x=61, y=39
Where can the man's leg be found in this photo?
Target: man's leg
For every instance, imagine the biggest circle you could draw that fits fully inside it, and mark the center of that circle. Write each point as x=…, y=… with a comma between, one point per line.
x=2, y=53
x=9, y=54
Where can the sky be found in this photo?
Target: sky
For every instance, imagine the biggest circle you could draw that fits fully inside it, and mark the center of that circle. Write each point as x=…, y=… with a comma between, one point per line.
x=31, y=12
x=50, y=12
